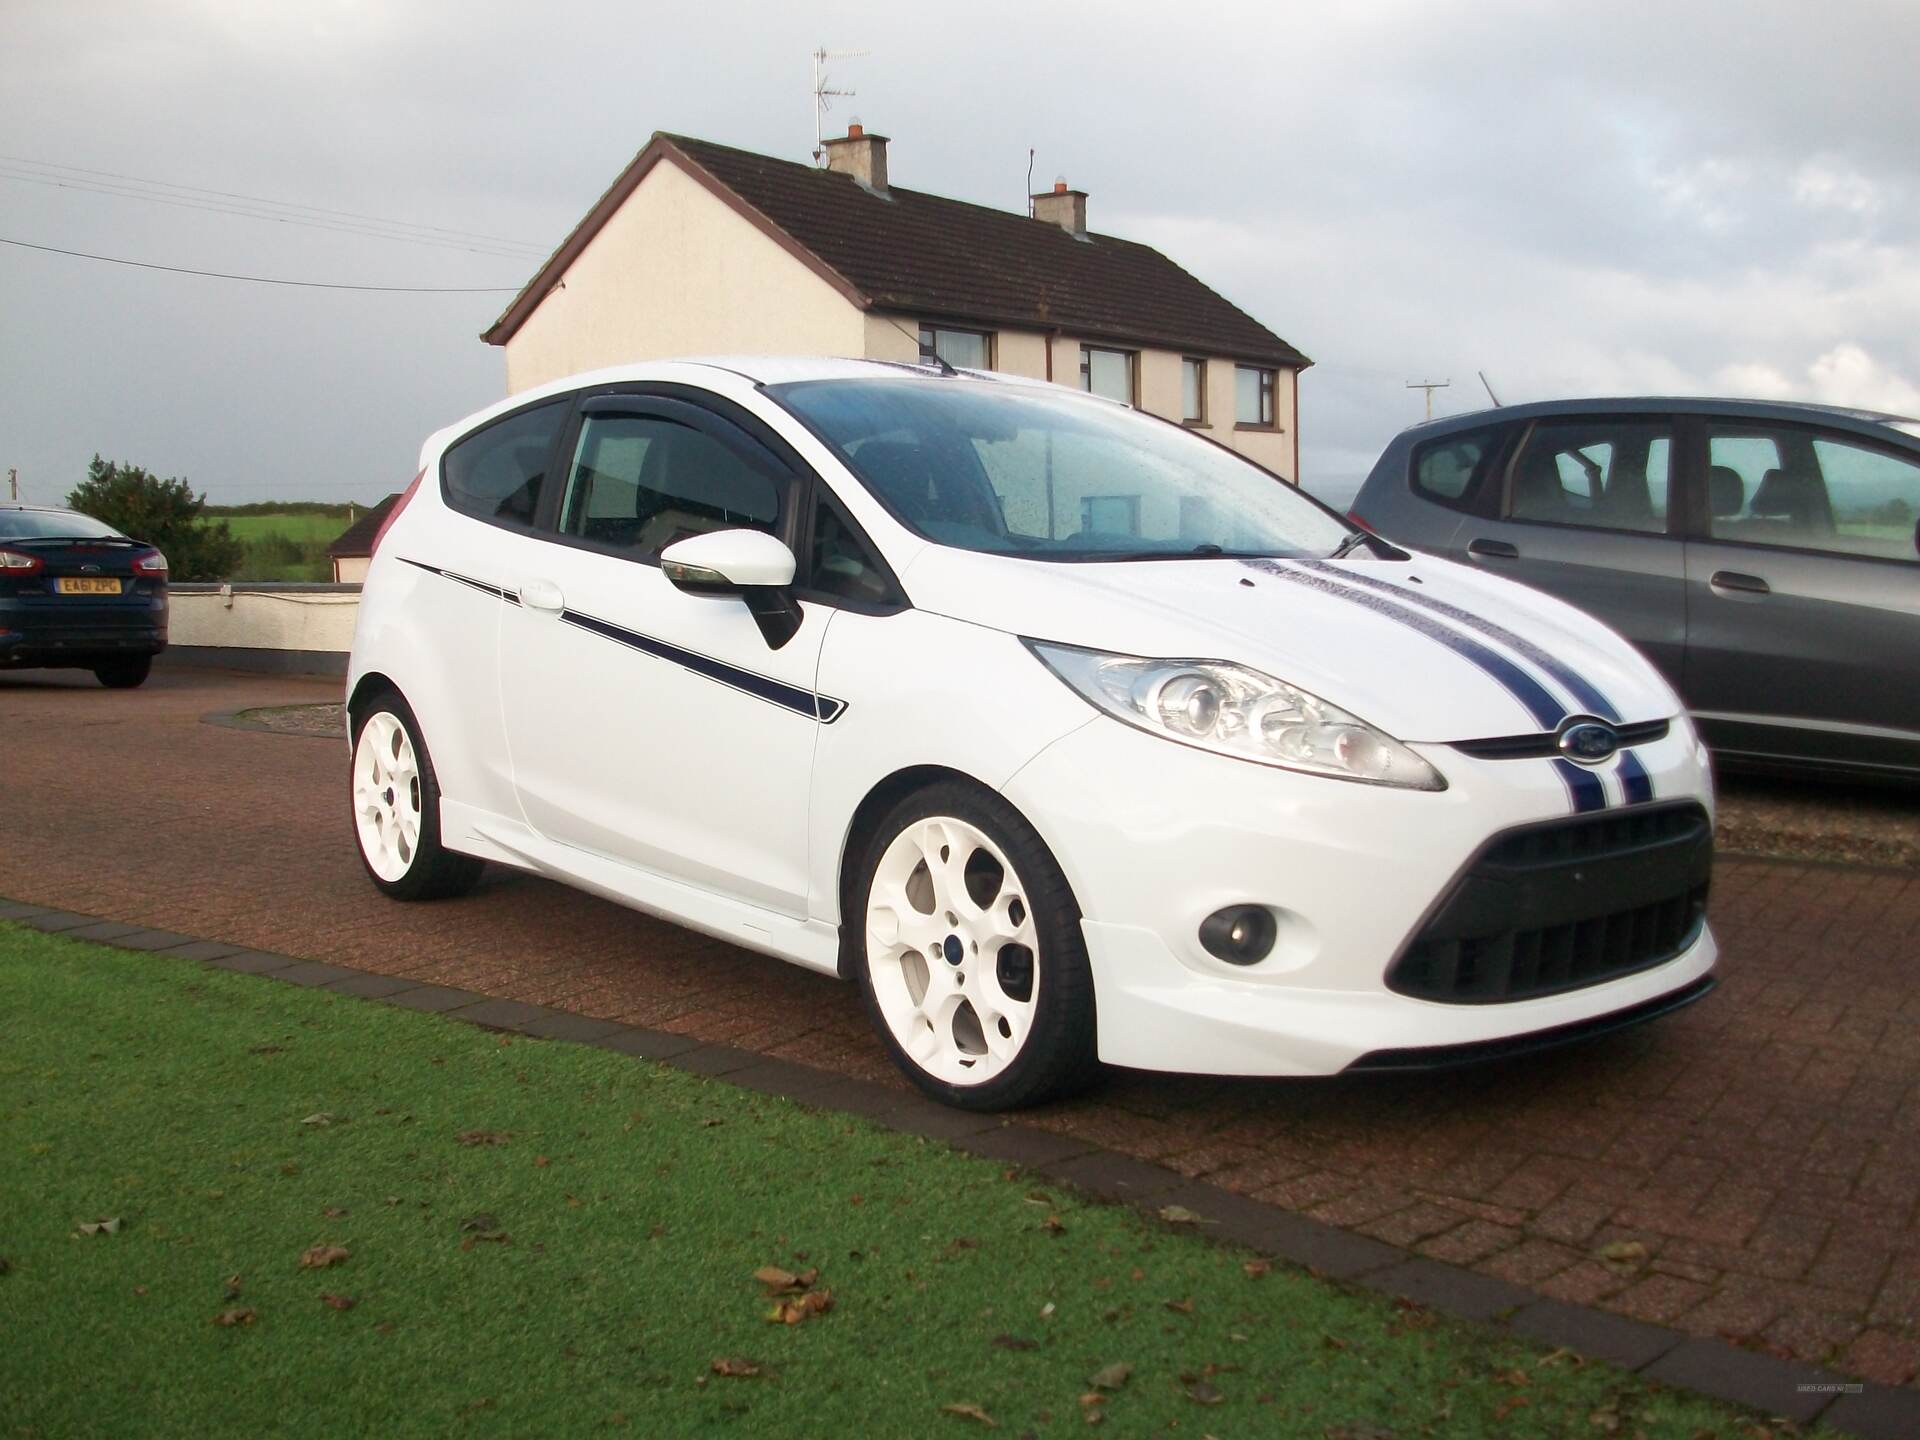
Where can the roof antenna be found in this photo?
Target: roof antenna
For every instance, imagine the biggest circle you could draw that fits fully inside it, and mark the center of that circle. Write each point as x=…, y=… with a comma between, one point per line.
x=927, y=357
x=1489, y=389
x=824, y=95
x=1029, y=182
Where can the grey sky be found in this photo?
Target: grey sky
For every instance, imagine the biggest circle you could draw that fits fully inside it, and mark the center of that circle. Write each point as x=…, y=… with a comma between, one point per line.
x=1628, y=198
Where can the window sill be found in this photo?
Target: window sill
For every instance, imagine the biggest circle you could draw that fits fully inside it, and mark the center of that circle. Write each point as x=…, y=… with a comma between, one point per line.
x=1196, y=424
x=1263, y=429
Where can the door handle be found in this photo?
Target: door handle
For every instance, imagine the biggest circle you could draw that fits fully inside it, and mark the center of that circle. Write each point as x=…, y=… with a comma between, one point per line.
x=1494, y=550
x=1745, y=584
x=542, y=595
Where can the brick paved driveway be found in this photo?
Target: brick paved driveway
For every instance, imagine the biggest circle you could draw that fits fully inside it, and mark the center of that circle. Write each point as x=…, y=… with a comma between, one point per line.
x=1761, y=1149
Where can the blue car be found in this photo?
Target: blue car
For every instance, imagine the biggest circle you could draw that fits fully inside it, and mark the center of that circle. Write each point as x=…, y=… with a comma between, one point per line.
x=77, y=594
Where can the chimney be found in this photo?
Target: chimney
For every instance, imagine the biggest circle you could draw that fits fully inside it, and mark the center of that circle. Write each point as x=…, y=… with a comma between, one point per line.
x=862, y=156
x=1063, y=207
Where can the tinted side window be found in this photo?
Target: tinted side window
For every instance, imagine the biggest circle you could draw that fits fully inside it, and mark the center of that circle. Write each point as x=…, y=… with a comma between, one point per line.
x=1451, y=470
x=1605, y=474
x=842, y=565
x=1802, y=488
x=496, y=473
x=641, y=482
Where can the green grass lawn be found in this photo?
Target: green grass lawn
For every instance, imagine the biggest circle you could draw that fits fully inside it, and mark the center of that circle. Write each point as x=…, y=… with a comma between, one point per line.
x=285, y=546
x=543, y=1239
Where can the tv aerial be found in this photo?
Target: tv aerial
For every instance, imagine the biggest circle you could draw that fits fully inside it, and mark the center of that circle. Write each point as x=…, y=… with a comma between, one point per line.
x=824, y=94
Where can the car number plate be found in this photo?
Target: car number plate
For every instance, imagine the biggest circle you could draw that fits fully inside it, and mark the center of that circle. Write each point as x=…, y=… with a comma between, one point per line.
x=86, y=585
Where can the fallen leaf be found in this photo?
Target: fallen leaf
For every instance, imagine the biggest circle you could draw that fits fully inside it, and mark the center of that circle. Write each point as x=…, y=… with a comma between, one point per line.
x=494, y=1237
x=266, y=1049
x=1110, y=1377
x=1053, y=1225
x=338, y=1302
x=1623, y=1252
x=319, y=1120
x=1046, y=1310
x=1181, y=1215
x=1092, y=1398
x=1201, y=1393
x=320, y=1257
x=1334, y=1342
x=1180, y=1307
x=792, y=1312
x=334, y=1212
x=970, y=1412
x=1606, y=1419
x=1014, y=1342
x=290, y=1168
x=100, y=1227
x=540, y=1162
x=233, y=1287
x=1256, y=1268
x=1507, y=1406
x=484, y=1137
x=480, y=1222
x=246, y=1315
x=780, y=1281
x=710, y=1122
x=736, y=1367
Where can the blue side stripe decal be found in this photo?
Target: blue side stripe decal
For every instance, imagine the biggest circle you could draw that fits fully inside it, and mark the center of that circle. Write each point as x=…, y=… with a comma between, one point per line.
x=789, y=697
x=1539, y=702
x=1576, y=684
x=823, y=708
x=1635, y=783
x=1583, y=785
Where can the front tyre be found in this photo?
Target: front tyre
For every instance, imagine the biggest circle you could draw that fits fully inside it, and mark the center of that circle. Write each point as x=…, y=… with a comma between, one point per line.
x=970, y=954
x=396, y=807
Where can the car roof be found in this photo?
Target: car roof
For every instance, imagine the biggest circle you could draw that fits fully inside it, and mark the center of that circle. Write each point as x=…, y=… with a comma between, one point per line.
x=39, y=509
x=1789, y=410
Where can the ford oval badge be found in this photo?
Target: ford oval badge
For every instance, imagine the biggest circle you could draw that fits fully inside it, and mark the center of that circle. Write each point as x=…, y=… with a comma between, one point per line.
x=1589, y=742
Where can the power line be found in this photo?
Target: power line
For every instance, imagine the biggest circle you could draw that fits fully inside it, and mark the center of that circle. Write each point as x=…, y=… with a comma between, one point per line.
x=268, y=280
x=260, y=200
x=223, y=208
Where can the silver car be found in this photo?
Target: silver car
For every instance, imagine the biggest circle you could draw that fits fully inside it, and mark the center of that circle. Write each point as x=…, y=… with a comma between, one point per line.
x=1765, y=556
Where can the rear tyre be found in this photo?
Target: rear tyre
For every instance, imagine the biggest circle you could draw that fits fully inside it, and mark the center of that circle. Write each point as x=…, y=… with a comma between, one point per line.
x=969, y=952
x=396, y=807
x=125, y=674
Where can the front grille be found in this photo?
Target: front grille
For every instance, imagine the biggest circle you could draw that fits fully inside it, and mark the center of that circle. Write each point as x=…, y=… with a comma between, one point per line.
x=1570, y=903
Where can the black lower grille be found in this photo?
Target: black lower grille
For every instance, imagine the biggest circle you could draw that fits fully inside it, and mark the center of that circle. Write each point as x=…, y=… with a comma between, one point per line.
x=1570, y=903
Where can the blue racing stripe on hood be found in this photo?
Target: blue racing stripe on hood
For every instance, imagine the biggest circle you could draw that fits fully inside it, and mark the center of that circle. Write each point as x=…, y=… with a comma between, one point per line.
x=1529, y=692
x=1577, y=685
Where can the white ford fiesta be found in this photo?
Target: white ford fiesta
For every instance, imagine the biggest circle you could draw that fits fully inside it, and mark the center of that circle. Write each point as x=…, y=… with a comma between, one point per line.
x=1067, y=734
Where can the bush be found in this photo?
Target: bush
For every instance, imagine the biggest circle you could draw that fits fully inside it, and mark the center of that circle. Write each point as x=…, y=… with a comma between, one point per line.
x=163, y=513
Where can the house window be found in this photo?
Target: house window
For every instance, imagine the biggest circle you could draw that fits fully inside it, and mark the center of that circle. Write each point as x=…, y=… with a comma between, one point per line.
x=1253, y=396
x=1107, y=372
x=962, y=349
x=1193, y=391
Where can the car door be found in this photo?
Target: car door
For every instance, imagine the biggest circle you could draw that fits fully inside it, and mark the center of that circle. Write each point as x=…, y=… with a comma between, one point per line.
x=1584, y=514
x=646, y=724
x=1803, y=588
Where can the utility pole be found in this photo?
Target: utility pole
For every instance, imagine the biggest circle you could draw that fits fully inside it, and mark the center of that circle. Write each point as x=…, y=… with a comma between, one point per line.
x=1429, y=386
x=824, y=95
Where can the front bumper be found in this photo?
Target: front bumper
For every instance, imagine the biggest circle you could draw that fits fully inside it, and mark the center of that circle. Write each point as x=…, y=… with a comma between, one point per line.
x=1154, y=836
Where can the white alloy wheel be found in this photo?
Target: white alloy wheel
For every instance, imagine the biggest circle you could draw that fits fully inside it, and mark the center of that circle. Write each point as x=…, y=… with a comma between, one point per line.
x=952, y=952
x=386, y=796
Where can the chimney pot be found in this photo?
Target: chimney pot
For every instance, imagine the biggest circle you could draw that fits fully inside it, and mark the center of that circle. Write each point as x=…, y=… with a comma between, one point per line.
x=1059, y=187
x=860, y=155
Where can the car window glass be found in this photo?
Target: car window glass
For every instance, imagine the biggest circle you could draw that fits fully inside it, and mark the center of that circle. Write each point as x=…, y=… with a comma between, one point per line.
x=53, y=525
x=496, y=473
x=641, y=482
x=1801, y=488
x=1605, y=474
x=1447, y=469
x=842, y=564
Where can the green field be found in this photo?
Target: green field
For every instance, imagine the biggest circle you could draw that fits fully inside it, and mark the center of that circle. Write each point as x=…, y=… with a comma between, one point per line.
x=230, y=1206
x=286, y=545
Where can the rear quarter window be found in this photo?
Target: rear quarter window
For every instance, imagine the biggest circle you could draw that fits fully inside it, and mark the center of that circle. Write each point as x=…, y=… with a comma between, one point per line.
x=1452, y=469
x=497, y=473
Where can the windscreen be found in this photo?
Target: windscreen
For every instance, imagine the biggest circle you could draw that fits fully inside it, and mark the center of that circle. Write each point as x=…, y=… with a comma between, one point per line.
x=53, y=525
x=1009, y=471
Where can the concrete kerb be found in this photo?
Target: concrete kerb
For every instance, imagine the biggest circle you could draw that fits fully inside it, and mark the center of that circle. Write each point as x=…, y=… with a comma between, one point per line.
x=1764, y=1383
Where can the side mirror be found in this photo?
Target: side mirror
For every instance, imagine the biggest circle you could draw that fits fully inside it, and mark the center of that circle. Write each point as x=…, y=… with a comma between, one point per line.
x=725, y=562
x=748, y=564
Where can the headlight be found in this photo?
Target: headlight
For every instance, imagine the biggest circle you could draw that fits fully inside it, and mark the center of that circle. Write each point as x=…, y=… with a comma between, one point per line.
x=1232, y=710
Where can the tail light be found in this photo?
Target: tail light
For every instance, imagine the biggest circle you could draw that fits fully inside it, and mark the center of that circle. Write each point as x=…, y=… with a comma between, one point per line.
x=406, y=498
x=13, y=563
x=150, y=566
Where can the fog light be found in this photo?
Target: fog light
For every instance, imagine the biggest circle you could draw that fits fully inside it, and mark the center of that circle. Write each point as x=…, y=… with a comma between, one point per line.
x=1239, y=934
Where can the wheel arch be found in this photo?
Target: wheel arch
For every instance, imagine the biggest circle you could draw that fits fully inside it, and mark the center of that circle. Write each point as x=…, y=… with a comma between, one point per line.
x=369, y=685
